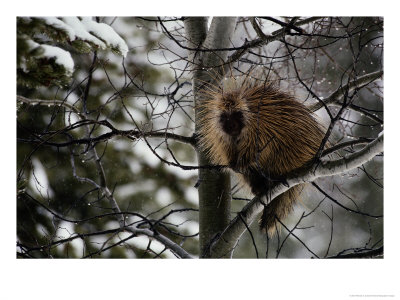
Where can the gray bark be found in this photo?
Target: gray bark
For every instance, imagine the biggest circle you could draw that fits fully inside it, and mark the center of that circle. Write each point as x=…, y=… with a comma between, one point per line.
x=230, y=237
x=214, y=188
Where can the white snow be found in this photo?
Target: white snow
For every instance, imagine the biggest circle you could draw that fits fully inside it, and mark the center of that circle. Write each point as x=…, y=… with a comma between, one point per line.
x=192, y=227
x=57, y=23
x=126, y=190
x=38, y=180
x=62, y=57
x=80, y=31
x=100, y=34
x=192, y=195
x=183, y=174
x=106, y=33
x=163, y=196
x=142, y=242
x=145, y=155
x=66, y=230
x=209, y=20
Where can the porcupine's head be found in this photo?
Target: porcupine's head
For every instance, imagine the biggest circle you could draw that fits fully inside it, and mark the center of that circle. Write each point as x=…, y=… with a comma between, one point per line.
x=231, y=117
x=223, y=120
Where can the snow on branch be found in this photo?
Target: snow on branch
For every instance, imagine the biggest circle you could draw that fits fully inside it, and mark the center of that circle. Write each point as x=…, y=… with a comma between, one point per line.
x=62, y=58
x=43, y=61
x=85, y=29
x=80, y=32
x=231, y=235
x=107, y=34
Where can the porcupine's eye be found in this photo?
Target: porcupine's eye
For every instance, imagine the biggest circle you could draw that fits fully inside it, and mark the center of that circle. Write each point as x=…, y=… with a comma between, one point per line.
x=232, y=123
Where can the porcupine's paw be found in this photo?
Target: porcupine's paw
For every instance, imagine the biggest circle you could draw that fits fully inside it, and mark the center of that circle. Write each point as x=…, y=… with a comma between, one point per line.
x=259, y=184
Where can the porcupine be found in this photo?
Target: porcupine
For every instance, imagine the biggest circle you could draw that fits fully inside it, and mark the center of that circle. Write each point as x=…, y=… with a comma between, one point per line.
x=262, y=133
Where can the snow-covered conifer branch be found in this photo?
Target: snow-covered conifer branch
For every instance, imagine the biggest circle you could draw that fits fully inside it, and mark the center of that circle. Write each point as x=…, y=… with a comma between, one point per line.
x=85, y=29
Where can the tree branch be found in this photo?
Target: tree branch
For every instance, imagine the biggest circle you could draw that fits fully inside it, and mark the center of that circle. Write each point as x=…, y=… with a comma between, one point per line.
x=103, y=137
x=346, y=144
x=178, y=250
x=335, y=97
x=374, y=253
x=264, y=39
x=230, y=236
x=49, y=102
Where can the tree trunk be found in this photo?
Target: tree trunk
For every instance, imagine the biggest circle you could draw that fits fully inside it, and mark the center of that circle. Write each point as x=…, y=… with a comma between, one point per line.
x=214, y=188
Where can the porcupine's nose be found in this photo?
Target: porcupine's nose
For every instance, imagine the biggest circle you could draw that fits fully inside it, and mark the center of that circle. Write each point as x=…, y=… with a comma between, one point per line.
x=232, y=123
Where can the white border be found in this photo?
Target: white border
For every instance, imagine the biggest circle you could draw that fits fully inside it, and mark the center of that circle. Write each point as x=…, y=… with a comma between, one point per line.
x=238, y=279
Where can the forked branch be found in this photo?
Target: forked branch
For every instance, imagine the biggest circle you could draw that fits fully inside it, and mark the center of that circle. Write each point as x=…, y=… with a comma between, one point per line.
x=231, y=235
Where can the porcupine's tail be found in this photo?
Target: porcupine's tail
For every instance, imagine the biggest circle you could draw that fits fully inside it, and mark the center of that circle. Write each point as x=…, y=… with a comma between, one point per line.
x=278, y=209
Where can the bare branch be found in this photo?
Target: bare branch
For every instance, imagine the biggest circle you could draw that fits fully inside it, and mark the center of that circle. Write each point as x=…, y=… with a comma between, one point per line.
x=182, y=253
x=104, y=137
x=49, y=102
x=178, y=250
x=373, y=253
x=276, y=35
x=335, y=97
x=234, y=231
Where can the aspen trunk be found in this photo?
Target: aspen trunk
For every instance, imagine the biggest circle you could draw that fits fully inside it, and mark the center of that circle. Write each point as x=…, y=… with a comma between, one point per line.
x=214, y=188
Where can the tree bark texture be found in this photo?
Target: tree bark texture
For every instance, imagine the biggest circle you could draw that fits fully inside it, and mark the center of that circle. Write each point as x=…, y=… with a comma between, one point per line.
x=214, y=188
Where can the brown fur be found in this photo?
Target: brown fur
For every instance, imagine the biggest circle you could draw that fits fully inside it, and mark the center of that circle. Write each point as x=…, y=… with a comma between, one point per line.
x=262, y=133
